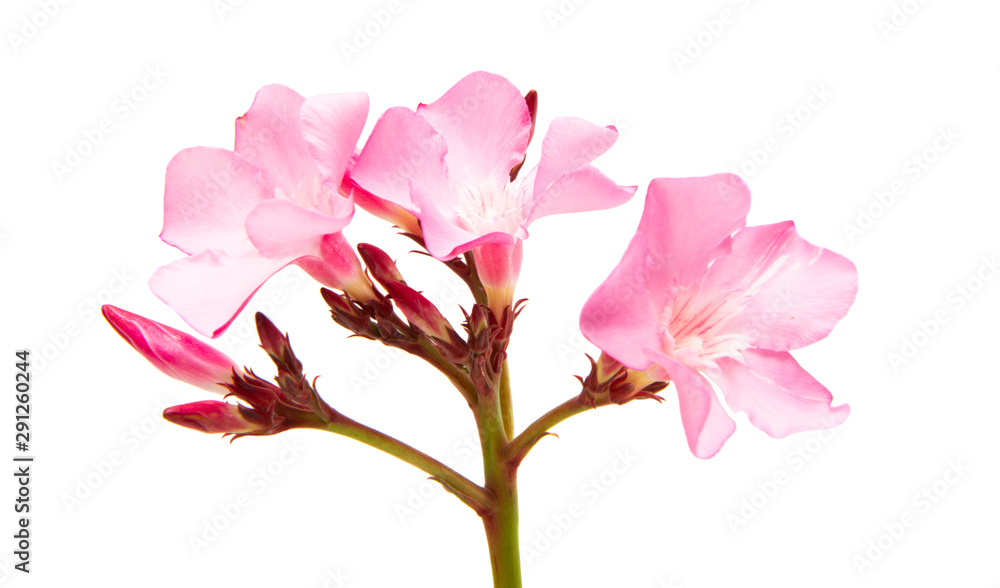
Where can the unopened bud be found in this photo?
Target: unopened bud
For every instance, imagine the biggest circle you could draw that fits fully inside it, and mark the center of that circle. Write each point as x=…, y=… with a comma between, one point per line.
x=175, y=353
x=420, y=311
x=379, y=264
x=212, y=416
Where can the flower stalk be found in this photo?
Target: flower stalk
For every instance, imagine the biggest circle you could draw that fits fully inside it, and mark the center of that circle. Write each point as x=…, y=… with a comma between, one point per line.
x=501, y=521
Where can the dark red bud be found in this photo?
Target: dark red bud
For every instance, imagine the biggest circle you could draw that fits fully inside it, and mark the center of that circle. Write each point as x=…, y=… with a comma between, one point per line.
x=379, y=264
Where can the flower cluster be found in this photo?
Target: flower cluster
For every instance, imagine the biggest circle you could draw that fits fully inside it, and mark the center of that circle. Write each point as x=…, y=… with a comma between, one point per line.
x=698, y=295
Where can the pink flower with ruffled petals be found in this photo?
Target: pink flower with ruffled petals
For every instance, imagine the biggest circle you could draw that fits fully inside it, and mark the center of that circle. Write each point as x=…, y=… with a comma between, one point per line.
x=699, y=294
x=450, y=163
x=243, y=215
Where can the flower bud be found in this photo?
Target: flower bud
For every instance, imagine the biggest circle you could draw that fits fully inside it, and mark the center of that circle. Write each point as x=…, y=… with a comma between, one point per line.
x=420, y=311
x=424, y=316
x=173, y=352
x=277, y=345
x=379, y=264
x=212, y=416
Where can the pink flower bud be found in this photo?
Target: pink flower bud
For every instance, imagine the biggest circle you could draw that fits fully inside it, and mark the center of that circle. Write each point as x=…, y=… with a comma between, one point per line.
x=212, y=416
x=420, y=311
x=173, y=352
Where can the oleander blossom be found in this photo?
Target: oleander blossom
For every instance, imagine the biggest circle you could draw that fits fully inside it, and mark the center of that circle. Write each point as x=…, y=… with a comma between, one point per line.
x=454, y=164
x=243, y=215
x=697, y=293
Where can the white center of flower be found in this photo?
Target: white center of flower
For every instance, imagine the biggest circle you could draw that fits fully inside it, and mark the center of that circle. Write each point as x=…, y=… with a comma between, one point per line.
x=311, y=194
x=492, y=207
x=693, y=329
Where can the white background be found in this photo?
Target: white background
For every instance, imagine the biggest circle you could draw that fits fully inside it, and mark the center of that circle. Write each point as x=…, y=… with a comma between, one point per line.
x=337, y=509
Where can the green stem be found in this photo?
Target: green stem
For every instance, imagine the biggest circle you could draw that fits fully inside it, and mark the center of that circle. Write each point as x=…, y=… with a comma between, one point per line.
x=501, y=520
x=522, y=444
x=471, y=493
x=506, y=404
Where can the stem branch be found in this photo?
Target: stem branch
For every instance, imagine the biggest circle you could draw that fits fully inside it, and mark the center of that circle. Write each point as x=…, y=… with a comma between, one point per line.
x=522, y=444
x=478, y=497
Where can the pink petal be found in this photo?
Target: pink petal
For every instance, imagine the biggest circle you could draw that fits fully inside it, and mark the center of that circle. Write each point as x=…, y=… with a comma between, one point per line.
x=403, y=148
x=208, y=290
x=279, y=228
x=582, y=190
x=270, y=136
x=619, y=317
x=687, y=222
x=792, y=292
x=486, y=125
x=173, y=352
x=778, y=395
x=208, y=194
x=706, y=424
x=331, y=126
x=382, y=209
x=570, y=144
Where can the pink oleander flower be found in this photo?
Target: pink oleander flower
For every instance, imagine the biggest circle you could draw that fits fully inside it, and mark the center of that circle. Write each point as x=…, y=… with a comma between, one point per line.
x=699, y=294
x=453, y=163
x=173, y=352
x=243, y=215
